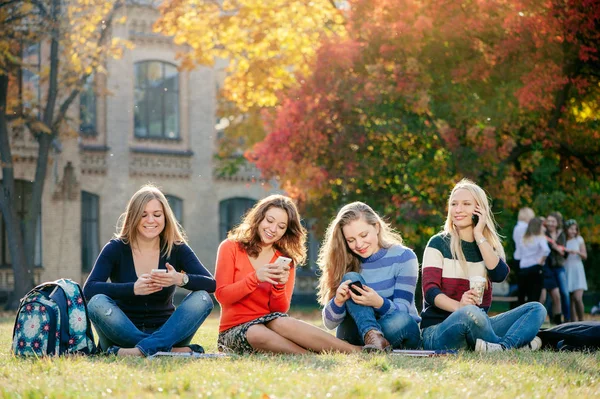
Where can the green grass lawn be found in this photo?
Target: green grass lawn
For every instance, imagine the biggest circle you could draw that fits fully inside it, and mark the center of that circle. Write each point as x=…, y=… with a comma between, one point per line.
x=510, y=374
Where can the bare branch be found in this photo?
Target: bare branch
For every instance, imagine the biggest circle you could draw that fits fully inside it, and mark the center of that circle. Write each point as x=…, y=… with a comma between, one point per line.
x=41, y=7
x=73, y=95
x=54, y=65
x=7, y=3
x=18, y=17
x=586, y=159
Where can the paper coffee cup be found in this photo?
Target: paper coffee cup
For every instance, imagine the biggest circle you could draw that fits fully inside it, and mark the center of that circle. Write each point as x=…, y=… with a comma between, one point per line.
x=478, y=284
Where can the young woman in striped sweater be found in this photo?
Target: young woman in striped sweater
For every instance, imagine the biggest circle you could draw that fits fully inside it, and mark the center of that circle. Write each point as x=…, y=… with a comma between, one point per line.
x=360, y=247
x=453, y=315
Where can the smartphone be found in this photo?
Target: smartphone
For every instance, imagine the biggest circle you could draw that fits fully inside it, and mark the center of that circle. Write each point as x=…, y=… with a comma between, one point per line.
x=475, y=219
x=283, y=261
x=157, y=271
x=357, y=284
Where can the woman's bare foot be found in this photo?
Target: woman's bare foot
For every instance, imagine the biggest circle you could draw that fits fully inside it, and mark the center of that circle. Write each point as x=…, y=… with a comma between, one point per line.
x=184, y=349
x=129, y=352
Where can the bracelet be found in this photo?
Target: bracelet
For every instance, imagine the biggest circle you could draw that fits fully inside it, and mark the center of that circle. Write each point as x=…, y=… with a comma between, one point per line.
x=483, y=239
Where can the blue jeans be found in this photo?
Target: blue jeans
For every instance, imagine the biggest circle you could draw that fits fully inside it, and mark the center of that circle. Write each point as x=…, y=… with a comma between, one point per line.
x=115, y=328
x=462, y=328
x=399, y=328
x=557, y=277
x=563, y=287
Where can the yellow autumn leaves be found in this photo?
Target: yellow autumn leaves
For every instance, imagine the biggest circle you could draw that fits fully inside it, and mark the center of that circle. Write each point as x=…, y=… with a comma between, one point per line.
x=266, y=42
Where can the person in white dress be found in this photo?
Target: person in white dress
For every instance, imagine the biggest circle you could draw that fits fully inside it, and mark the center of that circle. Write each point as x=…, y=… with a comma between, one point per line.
x=576, y=281
x=533, y=250
x=525, y=216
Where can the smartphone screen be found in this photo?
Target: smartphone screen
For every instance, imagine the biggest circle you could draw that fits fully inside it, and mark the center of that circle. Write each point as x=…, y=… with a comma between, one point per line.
x=155, y=271
x=283, y=261
x=352, y=285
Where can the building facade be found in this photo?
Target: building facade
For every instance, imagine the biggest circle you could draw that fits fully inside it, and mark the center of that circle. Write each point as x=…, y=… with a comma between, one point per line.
x=144, y=121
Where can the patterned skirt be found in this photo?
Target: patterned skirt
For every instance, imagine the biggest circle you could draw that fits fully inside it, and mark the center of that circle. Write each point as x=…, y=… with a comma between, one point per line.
x=234, y=340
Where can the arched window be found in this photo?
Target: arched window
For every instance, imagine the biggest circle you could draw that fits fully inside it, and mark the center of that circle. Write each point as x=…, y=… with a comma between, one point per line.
x=312, y=245
x=156, y=110
x=230, y=213
x=90, y=230
x=176, y=205
x=22, y=197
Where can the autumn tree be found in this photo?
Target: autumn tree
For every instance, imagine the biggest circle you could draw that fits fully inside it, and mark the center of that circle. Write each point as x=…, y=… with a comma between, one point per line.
x=72, y=40
x=265, y=45
x=422, y=93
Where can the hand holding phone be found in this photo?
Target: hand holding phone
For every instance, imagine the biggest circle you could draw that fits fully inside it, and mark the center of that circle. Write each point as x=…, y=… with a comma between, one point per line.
x=158, y=271
x=283, y=267
x=355, y=284
x=283, y=261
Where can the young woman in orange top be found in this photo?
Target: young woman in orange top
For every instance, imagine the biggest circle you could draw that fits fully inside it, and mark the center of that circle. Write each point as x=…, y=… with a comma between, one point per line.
x=255, y=292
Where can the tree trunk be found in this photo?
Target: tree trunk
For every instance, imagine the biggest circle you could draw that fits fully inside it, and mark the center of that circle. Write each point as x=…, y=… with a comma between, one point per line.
x=23, y=276
x=35, y=206
x=44, y=139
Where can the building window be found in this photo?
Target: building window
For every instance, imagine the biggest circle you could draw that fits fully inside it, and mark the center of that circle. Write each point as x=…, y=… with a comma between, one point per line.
x=312, y=245
x=230, y=214
x=23, y=192
x=30, y=78
x=156, y=111
x=87, y=108
x=176, y=205
x=90, y=227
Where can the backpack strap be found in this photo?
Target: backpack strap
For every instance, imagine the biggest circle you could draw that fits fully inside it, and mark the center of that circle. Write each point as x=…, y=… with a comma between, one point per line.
x=59, y=296
x=65, y=284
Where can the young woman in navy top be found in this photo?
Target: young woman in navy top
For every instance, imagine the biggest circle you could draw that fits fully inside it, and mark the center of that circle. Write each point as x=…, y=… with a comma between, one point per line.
x=134, y=313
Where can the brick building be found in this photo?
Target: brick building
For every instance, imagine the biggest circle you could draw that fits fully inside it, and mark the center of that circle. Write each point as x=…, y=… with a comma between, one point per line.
x=146, y=122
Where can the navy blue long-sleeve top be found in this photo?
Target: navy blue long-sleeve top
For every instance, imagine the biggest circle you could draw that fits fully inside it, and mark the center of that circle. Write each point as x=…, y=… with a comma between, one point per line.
x=116, y=262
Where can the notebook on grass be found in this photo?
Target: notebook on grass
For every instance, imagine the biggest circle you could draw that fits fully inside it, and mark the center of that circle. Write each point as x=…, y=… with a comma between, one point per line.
x=188, y=355
x=423, y=353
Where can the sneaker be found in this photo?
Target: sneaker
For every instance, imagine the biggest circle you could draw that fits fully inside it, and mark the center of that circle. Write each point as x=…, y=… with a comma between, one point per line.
x=484, y=346
x=534, y=345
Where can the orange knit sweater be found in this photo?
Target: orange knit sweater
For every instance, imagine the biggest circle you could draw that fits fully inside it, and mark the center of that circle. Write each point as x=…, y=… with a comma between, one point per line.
x=241, y=296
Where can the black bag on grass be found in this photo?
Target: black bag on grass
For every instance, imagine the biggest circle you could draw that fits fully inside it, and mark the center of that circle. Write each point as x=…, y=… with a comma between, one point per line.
x=576, y=336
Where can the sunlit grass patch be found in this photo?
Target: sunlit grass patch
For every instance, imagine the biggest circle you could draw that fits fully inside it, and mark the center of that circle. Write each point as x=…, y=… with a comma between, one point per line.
x=511, y=374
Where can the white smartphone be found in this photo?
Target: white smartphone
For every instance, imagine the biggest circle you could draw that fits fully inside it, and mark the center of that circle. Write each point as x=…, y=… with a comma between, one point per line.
x=156, y=271
x=283, y=261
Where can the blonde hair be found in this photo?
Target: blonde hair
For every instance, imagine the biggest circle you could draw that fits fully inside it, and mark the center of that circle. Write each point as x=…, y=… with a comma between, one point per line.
x=526, y=214
x=293, y=242
x=336, y=258
x=534, y=228
x=489, y=231
x=128, y=222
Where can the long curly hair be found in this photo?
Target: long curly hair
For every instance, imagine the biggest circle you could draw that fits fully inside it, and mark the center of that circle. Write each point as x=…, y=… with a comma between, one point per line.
x=293, y=242
x=336, y=258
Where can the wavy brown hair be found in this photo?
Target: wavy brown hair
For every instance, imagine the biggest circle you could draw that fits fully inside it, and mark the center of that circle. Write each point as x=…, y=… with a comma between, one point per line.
x=291, y=244
x=534, y=228
x=127, y=225
x=336, y=258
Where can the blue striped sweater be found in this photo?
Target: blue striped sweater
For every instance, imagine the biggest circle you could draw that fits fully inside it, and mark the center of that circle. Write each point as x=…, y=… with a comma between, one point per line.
x=393, y=273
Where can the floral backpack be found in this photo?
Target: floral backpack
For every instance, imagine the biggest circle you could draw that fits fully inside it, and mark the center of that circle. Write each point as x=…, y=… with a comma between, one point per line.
x=52, y=320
